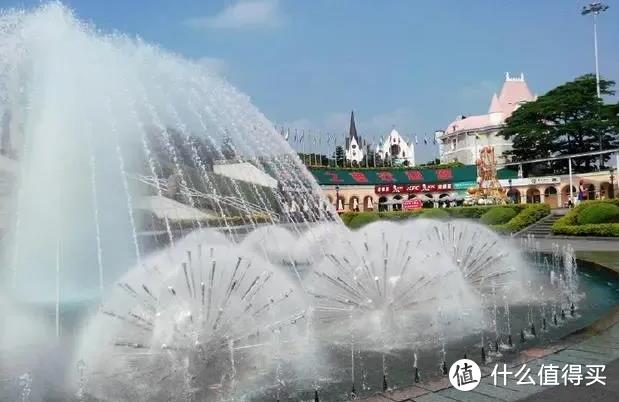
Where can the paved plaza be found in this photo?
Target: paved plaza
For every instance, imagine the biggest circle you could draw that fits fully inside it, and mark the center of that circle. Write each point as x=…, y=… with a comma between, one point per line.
x=582, y=350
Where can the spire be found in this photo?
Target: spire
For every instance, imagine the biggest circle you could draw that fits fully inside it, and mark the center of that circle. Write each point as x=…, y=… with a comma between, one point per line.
x=352, y=133
x=495, y=105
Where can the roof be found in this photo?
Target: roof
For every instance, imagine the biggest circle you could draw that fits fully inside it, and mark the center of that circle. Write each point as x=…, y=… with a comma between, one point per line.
x=513, y=93
x=352, y=132
x=470, y=123
x=366, y=177
x=495, y=105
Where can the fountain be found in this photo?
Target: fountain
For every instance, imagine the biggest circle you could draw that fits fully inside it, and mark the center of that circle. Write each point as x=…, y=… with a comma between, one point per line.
x=157, y=249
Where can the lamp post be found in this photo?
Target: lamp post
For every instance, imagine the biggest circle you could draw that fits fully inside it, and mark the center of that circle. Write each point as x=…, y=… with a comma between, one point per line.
x=611, y=188
x=337, y=198
x=595, y=9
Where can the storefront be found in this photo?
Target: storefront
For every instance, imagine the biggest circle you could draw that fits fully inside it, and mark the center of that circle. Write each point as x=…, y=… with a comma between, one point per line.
x=388, y=189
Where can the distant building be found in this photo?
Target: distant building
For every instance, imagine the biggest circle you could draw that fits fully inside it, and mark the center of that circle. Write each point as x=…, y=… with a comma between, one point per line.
x=354, y=150
x=397, y=149
x=464, y=137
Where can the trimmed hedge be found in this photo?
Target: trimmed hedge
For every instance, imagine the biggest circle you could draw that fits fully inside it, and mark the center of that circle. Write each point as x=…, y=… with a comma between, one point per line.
x=498, y=216
x=525, y=215
x=569, y=224
x=434, y=213
x=529, y=215
x=603, y=212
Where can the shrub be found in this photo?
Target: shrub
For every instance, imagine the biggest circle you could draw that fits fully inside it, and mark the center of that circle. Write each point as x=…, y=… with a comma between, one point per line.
x=569, y=225
x=602, y=212
x=498, y=215
x=434, y=213
x=361, y=219
x=529, y=215
x=346, y=217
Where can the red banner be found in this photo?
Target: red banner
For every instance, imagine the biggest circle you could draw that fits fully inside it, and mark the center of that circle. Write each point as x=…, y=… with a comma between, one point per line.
x=412, y=188
x=415, y=203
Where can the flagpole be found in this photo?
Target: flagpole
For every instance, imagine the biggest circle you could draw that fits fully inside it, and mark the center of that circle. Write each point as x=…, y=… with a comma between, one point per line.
x=303, y=146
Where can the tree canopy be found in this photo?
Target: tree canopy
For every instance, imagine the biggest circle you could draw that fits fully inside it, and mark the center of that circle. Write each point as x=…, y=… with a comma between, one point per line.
x=569, y=119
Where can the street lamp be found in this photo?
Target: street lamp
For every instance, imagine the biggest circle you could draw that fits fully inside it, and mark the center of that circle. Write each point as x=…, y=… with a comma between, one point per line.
x=337, y=197
x=611, y=188
x=595, y=9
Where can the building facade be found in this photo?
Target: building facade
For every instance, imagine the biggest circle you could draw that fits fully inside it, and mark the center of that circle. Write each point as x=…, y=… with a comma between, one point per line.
x=354, y=152
x=387, y=189
x=463, y=137
x=396, y=149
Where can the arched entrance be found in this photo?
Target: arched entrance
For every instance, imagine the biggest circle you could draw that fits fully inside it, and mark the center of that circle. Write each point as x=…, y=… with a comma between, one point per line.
x=368, y=203
x=590, y=192
x=533, y=196
x=514, y=195
x=340, y=203
x=565, y=194
x=605, y=191
x=550, y=197
x=353, y=204
x=382, y=204
x=397, y=203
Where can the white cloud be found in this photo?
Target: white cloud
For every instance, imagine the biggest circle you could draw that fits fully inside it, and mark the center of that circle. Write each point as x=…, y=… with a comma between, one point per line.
x=244, y=14
x=214, y=64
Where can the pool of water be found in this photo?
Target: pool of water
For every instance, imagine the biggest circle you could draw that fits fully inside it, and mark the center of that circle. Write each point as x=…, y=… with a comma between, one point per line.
x=47, y=361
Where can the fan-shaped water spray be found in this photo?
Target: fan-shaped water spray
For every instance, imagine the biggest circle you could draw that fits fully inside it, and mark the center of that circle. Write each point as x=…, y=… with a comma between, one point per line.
x=97, y=123
x=233, y=278
x=205, y=311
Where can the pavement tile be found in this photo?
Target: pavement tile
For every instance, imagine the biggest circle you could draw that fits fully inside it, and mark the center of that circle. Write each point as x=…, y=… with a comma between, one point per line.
x=541, y=352
x=611, y=353
x=602, y=343
x=499, y=393
x=433, y=397
x=435, y=385
x=469, y=396
x=511, y=384
x=375, y=398
x=585, y=357
x=406, y=394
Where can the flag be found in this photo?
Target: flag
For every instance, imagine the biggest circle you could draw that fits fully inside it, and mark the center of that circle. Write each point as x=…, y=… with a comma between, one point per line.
x=287, y=134
x=416, y=139
x=295, y=135
x=425, y=139
x=302, y=136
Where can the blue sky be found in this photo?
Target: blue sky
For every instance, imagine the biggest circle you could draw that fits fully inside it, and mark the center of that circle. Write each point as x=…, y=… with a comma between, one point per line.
x=412, y=64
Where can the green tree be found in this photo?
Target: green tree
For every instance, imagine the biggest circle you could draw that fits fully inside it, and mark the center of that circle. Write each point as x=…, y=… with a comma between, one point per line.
x=569, y=119
x=339, y=156
x=369, y=158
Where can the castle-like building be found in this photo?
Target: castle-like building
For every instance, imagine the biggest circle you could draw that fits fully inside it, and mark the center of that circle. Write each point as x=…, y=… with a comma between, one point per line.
x=354, y=150
x=394, y=148
x=397, y=149
x=464, y=137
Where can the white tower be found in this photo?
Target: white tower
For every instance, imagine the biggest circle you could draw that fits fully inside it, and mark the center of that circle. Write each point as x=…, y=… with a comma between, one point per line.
x=354, y=150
